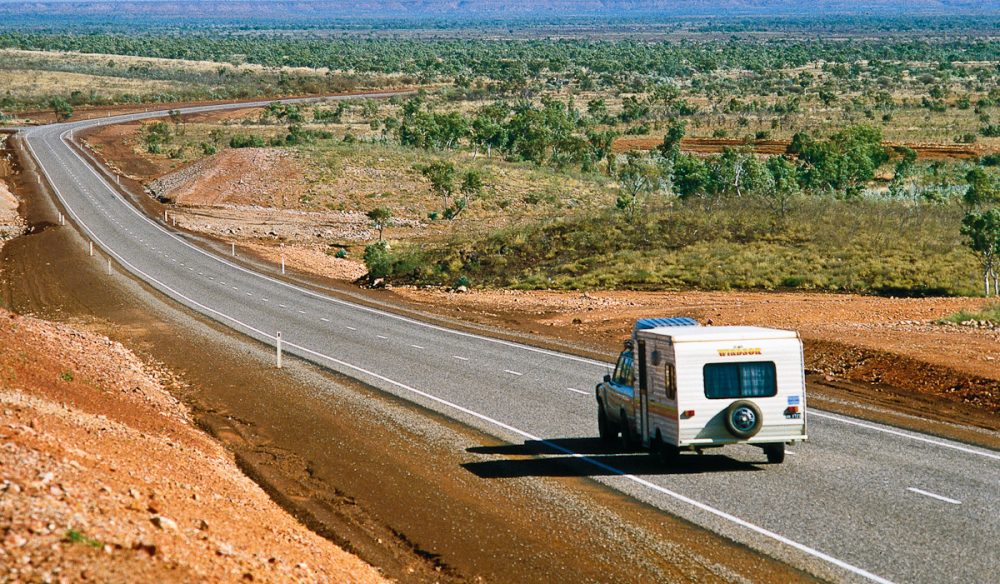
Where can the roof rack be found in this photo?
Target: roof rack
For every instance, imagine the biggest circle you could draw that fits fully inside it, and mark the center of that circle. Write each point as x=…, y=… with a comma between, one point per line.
x=649, y=323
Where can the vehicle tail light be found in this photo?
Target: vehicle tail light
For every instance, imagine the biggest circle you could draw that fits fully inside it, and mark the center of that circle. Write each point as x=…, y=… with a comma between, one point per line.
x=687, y=414
x=792, y=410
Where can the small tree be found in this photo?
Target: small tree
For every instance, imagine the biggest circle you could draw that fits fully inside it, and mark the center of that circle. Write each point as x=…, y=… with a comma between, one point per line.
x=981, y=189
x=637, y=176
x=442, y=177
x=982, y=231
x=671, y=145
x=62, y=108
x=380, y=217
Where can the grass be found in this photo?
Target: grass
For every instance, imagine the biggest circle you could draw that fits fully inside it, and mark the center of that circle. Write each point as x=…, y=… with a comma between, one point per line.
x=822, y=244
x=66, y=376
x=74, y=536
x=989, y=313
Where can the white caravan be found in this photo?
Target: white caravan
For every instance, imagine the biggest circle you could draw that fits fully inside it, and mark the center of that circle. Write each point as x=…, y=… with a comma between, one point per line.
x=681, y=386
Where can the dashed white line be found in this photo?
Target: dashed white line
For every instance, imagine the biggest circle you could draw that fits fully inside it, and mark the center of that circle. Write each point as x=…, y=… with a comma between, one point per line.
x=575, y=390
x=513, y=372
x=459, y=358
x=934, y=496
x=302, y=312
x=351, y=328
x=382, y=336
x=324, y=319
x=417, y=347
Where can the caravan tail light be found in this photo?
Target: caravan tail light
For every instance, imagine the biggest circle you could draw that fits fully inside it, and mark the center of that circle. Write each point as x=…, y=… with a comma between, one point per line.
x=687, y=414
x=792, y=410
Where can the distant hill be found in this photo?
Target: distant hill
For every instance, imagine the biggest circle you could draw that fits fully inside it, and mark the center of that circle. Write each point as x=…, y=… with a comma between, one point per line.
x=324, y=9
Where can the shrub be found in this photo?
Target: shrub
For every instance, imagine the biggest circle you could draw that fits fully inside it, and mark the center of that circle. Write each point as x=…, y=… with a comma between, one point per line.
x=246, y=141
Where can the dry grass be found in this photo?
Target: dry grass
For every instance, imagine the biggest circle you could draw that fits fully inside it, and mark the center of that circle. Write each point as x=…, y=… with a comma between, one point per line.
x=35, y=84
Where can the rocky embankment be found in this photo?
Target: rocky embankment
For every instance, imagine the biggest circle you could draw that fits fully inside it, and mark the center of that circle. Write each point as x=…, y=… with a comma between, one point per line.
x=11, y=224
x=103, y=477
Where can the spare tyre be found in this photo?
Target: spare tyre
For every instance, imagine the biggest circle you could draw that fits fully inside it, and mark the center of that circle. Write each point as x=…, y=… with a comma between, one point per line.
x=743, y=419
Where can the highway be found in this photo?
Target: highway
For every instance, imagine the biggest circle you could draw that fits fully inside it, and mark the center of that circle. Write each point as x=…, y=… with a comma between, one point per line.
x=858, y=502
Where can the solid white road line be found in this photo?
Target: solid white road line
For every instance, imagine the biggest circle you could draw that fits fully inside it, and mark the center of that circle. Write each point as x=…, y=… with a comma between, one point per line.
x=959, y=447
x=934, y=496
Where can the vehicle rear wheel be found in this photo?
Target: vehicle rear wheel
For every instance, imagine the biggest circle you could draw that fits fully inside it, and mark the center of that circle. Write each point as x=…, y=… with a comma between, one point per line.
x=605, y=428
x=743, y=419
x=628, y=443
x=775, y=453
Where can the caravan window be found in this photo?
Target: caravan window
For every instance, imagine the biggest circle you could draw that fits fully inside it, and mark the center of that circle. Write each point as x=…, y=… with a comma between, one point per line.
x=735, y=380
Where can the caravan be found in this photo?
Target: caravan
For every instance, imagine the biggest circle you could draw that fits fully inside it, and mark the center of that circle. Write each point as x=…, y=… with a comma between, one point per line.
x=681, y=386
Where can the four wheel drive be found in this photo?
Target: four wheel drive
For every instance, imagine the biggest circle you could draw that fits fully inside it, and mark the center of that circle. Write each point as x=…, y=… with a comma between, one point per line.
x=681, y=386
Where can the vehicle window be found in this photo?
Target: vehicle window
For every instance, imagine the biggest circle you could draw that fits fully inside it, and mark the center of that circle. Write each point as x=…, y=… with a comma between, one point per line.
x=620, y=367
x=623, y=373
x=734, y=380
x=670, y=380
x=630, y=374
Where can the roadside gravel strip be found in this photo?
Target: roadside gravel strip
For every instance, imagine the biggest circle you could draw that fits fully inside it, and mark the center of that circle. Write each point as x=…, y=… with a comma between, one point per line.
x=859, y=502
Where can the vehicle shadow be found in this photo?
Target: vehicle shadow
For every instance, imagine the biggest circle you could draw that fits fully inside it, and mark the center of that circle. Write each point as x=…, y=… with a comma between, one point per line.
x=549, y=461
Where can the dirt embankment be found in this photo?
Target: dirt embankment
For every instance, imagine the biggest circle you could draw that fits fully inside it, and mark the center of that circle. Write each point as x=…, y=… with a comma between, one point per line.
x=105, y=478
x=11, y=223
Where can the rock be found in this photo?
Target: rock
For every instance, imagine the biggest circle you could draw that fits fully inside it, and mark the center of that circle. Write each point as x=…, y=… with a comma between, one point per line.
x=224, y=549
x=462, y=289
x=163, y=522
x=202, y=525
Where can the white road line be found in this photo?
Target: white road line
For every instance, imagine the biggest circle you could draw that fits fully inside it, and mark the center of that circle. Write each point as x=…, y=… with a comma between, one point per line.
x=382, y=336
x=282, y=305
x=351, y=328
x=324, y=319
x=993, y=455
x=417, y=347
x=513, y=372
x=459, y=358
x=302, y=312
x=577, y=390
x=934, y=496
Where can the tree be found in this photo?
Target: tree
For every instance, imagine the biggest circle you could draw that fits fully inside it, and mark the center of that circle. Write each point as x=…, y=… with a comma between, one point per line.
x=442, y=177
x=62, y=108
x=785, y=182
x=671, y=145
x=639, y=175
x=981, y=189
x=982, y=232
x=380, y=217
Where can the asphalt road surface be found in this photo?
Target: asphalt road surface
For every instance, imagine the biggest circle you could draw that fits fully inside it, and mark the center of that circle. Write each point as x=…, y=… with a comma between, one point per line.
x=858, y=502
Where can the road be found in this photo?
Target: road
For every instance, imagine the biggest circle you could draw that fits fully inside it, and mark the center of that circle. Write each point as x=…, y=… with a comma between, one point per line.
x=858, y=502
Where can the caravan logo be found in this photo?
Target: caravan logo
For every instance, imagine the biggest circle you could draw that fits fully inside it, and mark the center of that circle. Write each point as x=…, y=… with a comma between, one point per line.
x=739, y=352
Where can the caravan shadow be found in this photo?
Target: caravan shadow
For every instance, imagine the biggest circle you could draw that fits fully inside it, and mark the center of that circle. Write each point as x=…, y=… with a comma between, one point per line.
x=607, y=460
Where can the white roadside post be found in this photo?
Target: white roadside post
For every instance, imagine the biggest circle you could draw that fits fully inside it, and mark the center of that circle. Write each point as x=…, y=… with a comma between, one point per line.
x=282, y=264
x=234, y=248
x=279, y=349
x=109, y=266
x=91, y=249
x=165, y=219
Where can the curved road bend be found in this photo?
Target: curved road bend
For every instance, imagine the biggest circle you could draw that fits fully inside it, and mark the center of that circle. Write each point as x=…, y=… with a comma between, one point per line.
x=858, y=502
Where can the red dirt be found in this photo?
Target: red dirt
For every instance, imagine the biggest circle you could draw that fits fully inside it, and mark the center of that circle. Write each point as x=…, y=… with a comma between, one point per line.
x=772, y=147
x=104, y=477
